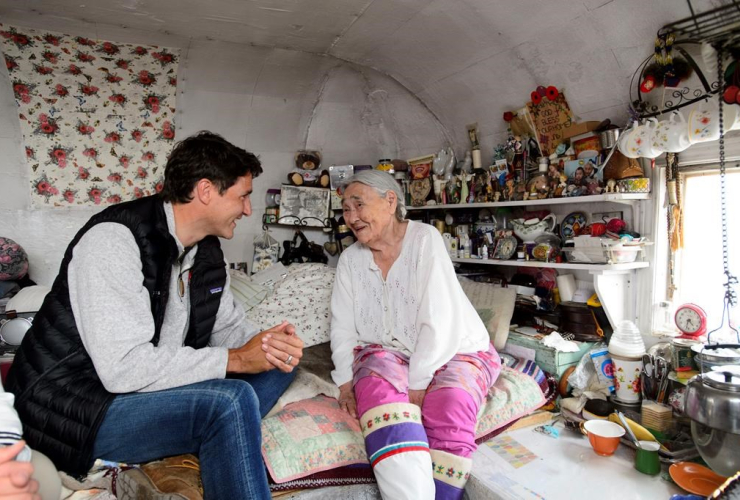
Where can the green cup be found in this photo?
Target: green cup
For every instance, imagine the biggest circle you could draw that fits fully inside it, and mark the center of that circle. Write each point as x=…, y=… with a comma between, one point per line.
x=647, y=460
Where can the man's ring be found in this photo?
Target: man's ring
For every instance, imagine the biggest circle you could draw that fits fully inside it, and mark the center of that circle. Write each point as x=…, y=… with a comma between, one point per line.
x=290, y=358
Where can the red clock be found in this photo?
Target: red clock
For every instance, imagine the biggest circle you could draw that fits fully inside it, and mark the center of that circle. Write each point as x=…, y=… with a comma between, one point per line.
x=691, y=320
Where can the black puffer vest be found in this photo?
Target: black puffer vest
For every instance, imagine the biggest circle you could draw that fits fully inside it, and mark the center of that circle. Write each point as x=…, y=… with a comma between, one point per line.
x=59, y=397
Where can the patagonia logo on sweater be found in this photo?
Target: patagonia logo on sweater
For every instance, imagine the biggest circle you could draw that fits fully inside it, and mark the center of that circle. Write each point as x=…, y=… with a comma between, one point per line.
x=217, y=290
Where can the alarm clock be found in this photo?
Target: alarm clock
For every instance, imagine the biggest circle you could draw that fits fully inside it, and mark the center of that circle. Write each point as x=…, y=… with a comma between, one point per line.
x=691, y=320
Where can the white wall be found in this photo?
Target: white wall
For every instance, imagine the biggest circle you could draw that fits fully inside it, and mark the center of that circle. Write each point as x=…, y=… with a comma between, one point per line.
x=269, y=101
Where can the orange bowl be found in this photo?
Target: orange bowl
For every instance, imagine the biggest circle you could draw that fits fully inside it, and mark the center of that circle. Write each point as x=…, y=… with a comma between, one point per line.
x=603, y=436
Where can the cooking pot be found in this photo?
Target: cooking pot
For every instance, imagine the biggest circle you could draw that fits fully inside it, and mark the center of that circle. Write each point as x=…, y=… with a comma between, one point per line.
x=713, y=404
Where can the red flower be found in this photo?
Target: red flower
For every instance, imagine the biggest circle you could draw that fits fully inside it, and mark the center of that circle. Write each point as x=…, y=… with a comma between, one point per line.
x=386, y=417
x=705, y=120
x=168, y=134
x=90, y=153
x=552, y=93
x=118, y=99
x=536, y=97
x=84, y=57
x=20, y=89
x=43, y=70
x=61, y=90
x=146, y=78
x=89, y=89
x=138, y=193
x=74, y=70
x=123, y=160
x=508, y=116
x=83, y=173
x=30, y=153
x=137, y=135
x=113, y=137
x=69, y=196
x=369, y=424
x=48, y=128
x=51, y=39
x=163, y=57
x=139, y=51
x=20, y=39
x=141, y=173
x=114, y=199
x=109, y=48
x=85, y=129
x=122, y=63
x=59, y=154
x=158, y=187
x=10, y=63
x=49, y=56
x=173, y=81
x=113, y=78
x=84, y=41
x=42, y=187
x=115, y=177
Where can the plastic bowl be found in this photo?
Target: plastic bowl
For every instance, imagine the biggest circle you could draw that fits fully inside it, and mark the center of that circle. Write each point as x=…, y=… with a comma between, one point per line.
x=603, y=436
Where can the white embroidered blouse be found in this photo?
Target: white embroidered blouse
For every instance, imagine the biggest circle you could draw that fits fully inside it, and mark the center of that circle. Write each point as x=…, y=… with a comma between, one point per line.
x=419, y=309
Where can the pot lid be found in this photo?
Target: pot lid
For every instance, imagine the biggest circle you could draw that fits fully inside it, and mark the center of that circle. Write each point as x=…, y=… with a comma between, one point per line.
x=725, y=378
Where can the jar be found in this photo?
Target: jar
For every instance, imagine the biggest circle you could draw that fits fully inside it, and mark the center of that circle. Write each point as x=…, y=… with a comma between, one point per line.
x=682, y=356
x=272, y=198
x=385, y=165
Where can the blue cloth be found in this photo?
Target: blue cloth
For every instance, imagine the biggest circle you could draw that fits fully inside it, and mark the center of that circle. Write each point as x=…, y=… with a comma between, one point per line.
x=217, y=420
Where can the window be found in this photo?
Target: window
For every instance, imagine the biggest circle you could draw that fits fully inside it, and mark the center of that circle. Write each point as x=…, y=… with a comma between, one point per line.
x=700, y=266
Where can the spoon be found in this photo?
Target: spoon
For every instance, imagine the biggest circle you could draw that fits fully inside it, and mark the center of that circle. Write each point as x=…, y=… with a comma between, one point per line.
x=629, y=431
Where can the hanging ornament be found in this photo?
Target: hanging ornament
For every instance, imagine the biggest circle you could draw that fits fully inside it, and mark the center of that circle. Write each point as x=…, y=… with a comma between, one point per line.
x=508, y=116
x=552, y=93
x=730, y=94
x=648, y=84
x=541, y=91
x=536, y=97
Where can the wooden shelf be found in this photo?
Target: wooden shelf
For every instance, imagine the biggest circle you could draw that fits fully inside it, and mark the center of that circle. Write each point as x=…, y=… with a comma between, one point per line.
x=624, y=198
x=556, y=265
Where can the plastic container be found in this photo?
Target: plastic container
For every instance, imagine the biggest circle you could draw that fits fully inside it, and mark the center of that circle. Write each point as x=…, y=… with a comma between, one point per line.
x=627, y=340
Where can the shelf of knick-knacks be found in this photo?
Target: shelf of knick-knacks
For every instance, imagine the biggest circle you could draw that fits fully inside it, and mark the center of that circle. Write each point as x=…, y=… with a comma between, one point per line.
x=627, y=266
x=624, y=198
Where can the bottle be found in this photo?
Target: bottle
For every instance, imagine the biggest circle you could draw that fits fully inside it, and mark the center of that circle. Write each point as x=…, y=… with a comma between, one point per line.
x=626, y=348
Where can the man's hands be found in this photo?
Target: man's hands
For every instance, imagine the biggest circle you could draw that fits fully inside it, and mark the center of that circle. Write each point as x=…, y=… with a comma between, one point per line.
x=15, y=477
x=347, y=400
x=277, y=347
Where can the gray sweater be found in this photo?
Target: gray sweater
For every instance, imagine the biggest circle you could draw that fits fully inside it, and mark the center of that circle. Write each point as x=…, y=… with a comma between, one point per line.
x=113, y=314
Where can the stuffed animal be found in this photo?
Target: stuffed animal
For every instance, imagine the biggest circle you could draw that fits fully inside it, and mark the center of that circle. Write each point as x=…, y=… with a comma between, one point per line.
x=307, y=171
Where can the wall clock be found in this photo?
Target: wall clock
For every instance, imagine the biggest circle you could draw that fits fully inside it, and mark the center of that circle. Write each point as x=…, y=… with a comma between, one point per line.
x=691, y=320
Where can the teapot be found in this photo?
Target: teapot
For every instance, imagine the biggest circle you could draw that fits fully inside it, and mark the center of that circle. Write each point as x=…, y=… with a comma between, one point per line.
x=528, y=230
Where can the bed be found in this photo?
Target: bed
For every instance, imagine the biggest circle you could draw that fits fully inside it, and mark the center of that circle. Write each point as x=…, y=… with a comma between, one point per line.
x=308, y=442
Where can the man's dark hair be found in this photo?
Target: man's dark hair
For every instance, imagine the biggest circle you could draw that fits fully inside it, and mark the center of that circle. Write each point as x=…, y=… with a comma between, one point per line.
x=205, y=156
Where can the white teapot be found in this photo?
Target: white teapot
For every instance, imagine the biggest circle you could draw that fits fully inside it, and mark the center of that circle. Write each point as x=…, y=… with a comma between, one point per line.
x=529, y=230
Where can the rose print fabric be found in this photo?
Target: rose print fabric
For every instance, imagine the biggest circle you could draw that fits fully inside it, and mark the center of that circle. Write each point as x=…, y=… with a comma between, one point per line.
x=96, y=116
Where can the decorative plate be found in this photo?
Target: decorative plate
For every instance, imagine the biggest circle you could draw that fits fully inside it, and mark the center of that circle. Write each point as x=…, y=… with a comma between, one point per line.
x=695, y=478
x=505, y=248
x=572, y=225
x=420, y=189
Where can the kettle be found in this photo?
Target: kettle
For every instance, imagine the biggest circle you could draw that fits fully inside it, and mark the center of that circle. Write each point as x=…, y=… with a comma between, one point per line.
x=713, y=405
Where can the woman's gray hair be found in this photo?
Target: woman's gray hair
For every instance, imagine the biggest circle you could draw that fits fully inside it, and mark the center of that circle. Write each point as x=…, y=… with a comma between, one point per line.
x=381, y=182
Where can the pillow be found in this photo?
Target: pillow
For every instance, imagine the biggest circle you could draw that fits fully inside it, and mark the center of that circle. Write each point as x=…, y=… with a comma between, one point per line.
x=303, y=298
x=247, y=293
x=315, y=435
x=495, y=306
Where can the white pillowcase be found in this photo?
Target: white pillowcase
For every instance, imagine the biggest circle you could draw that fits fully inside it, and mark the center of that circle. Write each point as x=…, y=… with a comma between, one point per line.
x=302, y=298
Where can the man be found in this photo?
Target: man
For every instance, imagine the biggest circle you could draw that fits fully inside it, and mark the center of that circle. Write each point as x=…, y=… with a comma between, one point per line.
x=127, y=357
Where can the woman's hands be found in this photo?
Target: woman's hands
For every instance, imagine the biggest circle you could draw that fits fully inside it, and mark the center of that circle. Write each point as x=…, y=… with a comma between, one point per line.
x=15, y=477
x=347, y=400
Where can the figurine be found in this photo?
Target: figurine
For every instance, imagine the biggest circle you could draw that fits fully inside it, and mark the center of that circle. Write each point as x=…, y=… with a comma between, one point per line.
x=611, y=186
x=464, y=178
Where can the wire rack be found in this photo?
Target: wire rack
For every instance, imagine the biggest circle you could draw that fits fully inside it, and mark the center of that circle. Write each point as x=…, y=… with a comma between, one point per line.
x=720, y=26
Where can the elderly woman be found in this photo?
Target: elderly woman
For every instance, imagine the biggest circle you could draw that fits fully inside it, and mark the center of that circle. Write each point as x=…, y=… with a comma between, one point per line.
x=412, y=358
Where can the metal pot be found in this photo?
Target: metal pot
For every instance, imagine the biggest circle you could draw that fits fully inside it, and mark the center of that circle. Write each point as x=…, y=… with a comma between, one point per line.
x=608, y=138
x=713, y=404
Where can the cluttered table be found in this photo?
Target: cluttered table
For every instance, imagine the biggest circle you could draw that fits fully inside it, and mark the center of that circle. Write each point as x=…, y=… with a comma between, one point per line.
x=528, y=464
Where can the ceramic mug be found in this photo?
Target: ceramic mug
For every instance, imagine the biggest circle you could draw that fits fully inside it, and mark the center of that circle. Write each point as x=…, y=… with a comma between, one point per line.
x=703, y=123
x=624, y=140
x=672, y=135
x=640, y=141
x=647, y=460
x=730, y=117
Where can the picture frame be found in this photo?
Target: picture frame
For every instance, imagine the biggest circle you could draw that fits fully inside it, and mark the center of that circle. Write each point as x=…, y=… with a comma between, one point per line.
x=304, y=206
x=339, y=174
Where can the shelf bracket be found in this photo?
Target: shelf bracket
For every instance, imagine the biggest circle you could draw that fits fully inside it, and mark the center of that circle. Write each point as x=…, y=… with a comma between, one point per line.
x=614, y=289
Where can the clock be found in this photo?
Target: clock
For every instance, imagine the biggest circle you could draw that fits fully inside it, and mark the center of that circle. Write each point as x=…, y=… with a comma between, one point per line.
x=505, y=248
x=691, y=320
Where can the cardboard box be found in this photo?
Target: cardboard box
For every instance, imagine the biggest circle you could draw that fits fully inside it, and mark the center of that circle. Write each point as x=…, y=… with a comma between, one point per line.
x=579, y=128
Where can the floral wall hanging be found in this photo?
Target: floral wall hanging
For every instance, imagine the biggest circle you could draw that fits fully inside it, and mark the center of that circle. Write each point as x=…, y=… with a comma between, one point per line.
x=97, y=117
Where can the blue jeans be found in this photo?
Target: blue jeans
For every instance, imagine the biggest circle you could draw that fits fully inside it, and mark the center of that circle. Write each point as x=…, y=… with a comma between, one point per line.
x=217, y=420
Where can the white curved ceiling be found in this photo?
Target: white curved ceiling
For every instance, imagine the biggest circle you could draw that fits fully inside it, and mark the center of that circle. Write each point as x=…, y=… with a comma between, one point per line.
x=467, y=60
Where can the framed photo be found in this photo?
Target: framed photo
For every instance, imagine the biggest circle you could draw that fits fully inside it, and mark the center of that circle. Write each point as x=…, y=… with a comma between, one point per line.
x=304, y=206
